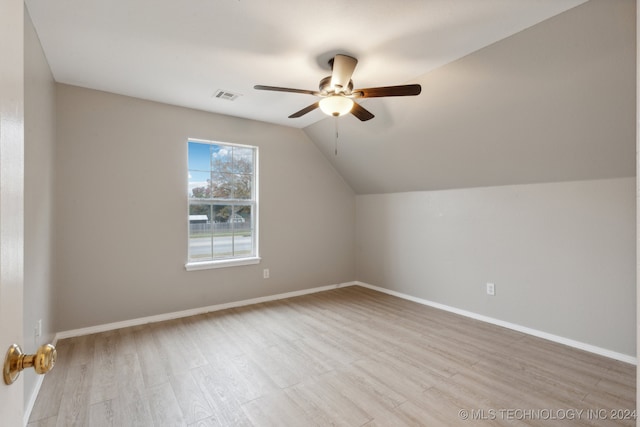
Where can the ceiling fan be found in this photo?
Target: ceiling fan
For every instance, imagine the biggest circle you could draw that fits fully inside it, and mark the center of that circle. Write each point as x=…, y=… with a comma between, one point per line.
x=337, y=91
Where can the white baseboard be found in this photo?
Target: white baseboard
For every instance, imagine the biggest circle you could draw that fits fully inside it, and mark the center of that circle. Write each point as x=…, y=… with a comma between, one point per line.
x=529, y=331
x=192, y=312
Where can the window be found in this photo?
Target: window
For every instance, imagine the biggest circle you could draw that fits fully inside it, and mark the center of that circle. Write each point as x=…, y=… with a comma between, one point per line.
x=223, y=207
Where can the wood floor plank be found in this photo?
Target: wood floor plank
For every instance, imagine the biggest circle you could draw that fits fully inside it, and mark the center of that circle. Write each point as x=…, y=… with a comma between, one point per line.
x=164, y=406
x=373, y=398
x=74, y=406
x=221, y=393
x=267, y=322
x=133, y=409
x=519, y=372
x=190, y=398
x=345, y=357
x=412, y=414
x=104, y=386
x=420, y=373
x=277, y=409
x=368, y=393
x=256, y=382
x=50, y=397
x=278, y=370
x=332, y=349
x=455, y=410
x=178, y=351
x=403, y=382
x=209, y=422
x=103, y=414
x=314, y=352
x=325, y=406
x=153, y=367
x=305, y=319
x=45, y=422
x=210, y=336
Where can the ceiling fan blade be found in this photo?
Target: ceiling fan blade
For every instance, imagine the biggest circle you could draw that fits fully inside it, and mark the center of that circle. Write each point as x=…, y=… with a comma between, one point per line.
x=361, y=113
x=305, y=110
x=343, y=67
x=377, y=92
x=286, y=89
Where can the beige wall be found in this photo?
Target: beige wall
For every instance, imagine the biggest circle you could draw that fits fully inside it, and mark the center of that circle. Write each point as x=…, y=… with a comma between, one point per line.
x=561, y=255
x=121, y=209
x=39, y=136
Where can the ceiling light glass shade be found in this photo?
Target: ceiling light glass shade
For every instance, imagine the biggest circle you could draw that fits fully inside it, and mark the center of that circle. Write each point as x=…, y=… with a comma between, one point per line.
x=336, y=105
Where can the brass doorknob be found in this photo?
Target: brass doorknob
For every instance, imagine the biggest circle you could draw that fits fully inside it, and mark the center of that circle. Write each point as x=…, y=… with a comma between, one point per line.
x=15, y=361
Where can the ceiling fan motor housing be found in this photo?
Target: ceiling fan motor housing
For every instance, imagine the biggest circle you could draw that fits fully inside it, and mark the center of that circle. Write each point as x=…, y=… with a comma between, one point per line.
x=326, y=89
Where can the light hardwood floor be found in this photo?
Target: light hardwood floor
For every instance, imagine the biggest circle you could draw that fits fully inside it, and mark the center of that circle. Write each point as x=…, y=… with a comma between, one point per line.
x=347, y=357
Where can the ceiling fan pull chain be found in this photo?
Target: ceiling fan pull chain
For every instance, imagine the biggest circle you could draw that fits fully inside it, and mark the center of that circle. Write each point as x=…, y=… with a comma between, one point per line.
x=336, y=139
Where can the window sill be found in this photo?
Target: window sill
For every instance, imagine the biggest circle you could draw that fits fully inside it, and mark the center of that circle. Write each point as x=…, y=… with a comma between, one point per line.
x=193, y=266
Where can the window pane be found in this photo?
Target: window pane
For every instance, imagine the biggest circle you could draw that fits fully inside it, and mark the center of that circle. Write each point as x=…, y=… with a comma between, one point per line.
x=231, y=186
x=200, y=244
x=201, y=210
x=221, y=158
x=242, y=186
x=222, y=231
x=199, y=156
x=222, y=244
x=242, y=160
x=222, y=186
x=243, y=244
x=199, y=184
x=242, y=215
x=243, y=231
x=221, y=214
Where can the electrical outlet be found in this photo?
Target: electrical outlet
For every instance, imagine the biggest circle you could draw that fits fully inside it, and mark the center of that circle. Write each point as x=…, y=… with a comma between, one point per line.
x=265, y=273
x=491, y=289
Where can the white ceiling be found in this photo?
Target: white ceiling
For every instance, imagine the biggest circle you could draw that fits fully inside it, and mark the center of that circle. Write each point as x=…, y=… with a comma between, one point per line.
x=181, y=52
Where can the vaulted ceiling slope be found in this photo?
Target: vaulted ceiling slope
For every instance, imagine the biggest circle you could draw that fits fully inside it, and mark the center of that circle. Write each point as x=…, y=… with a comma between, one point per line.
x=555, y=102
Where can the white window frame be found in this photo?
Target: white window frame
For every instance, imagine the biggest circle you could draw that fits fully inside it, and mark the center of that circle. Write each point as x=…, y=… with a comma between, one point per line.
x=233, y=261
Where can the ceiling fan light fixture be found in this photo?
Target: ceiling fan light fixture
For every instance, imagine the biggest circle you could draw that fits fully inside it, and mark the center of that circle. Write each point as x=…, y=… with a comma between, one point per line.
x=336, y=105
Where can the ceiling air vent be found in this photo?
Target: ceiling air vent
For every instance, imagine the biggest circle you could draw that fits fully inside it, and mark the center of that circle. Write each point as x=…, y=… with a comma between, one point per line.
x=224, y=94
